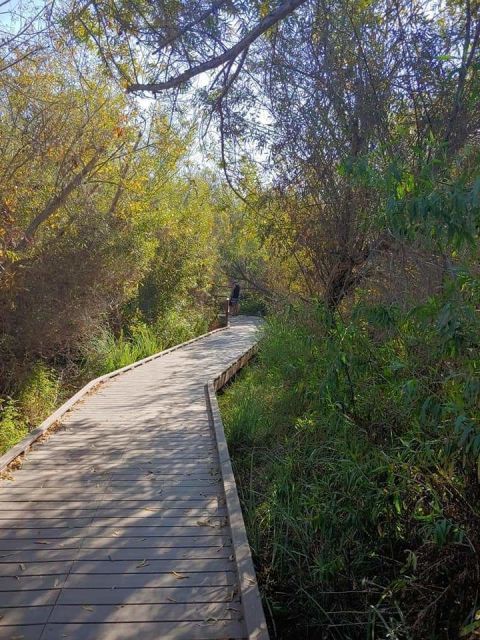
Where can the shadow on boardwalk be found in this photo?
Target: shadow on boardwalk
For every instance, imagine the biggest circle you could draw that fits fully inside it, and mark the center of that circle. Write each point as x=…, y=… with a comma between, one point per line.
x=116, y=526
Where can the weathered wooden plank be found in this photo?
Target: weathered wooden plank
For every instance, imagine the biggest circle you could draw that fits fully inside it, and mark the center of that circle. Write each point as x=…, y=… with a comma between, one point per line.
x=25, y=556
x=165, y=494
x=188, y=567
x=210, y=630
x=91, y=567
x=22, y=632
x=156, y=612
x=64, y=511
x=24, y=615
x=30, y=583
x=151, y=481
x=143, y=456
x=142, y=580
x=30, y=598
x=146, y=519
x=216, y=539
x=145, y=595
x=160, y=466
x=109, y=532
x=126, y=503
x=65, y=476
x=33, y=523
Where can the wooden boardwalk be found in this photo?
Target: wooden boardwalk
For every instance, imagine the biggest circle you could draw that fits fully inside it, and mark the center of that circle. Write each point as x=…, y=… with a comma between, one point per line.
x=120, y=524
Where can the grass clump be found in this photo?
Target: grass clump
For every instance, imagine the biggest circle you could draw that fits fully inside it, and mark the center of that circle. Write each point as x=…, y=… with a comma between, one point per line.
x=12, y=426
x=38, y=395
x=35, y=399
x=106, y=351
x=356, y=446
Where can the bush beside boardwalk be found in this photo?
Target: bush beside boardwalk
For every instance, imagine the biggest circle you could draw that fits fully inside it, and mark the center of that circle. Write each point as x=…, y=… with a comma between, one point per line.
x=355, y=446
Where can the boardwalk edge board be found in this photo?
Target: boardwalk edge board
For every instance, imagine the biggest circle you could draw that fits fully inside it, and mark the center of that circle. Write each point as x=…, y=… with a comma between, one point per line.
x=24, y=445
x=254, y=616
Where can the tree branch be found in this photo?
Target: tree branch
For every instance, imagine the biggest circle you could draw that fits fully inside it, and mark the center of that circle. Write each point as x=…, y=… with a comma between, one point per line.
x=281, y=12
x=57, y=201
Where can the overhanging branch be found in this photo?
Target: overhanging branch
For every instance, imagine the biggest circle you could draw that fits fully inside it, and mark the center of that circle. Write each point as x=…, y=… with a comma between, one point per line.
x=281, y=12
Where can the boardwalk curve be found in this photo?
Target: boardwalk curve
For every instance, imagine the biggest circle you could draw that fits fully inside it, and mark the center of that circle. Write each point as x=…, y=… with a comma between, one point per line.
x=125, y=523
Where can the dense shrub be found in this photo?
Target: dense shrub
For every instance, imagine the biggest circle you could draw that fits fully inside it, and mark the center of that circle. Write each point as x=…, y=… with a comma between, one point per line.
x=356, y=445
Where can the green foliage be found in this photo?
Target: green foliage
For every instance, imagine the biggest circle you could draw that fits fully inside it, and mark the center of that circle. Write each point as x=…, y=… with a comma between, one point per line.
x=179, y=325
x=106, y=352
x=34, y=401
x=252, y=304
x=12, y=427
x=38, y=394
x=107, y=245
x=356, y=445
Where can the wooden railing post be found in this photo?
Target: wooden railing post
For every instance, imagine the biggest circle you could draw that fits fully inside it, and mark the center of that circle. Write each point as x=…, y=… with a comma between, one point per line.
x=227, y=311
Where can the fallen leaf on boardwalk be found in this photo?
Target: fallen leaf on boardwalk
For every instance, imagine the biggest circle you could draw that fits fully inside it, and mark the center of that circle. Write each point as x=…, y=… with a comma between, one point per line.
x=143, y=563
x=251, y=580
x=87, y=608
x=42, y=542
x=171, y=599
x=231, y=558
x=22, y=566
x=178, y=576
x=209, y=523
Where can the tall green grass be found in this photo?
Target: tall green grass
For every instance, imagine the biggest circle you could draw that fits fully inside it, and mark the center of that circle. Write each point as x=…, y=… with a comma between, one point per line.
x=106, y=352
x=36, y=398
x=356, y=446
x=12, y=425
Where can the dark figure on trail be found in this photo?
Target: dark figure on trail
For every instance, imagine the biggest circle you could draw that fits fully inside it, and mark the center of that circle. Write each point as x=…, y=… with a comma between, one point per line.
x=234, y=298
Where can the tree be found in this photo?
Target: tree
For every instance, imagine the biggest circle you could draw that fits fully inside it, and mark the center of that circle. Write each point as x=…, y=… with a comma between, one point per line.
x=180, y=40
x=83, y=188
x=360, y=138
